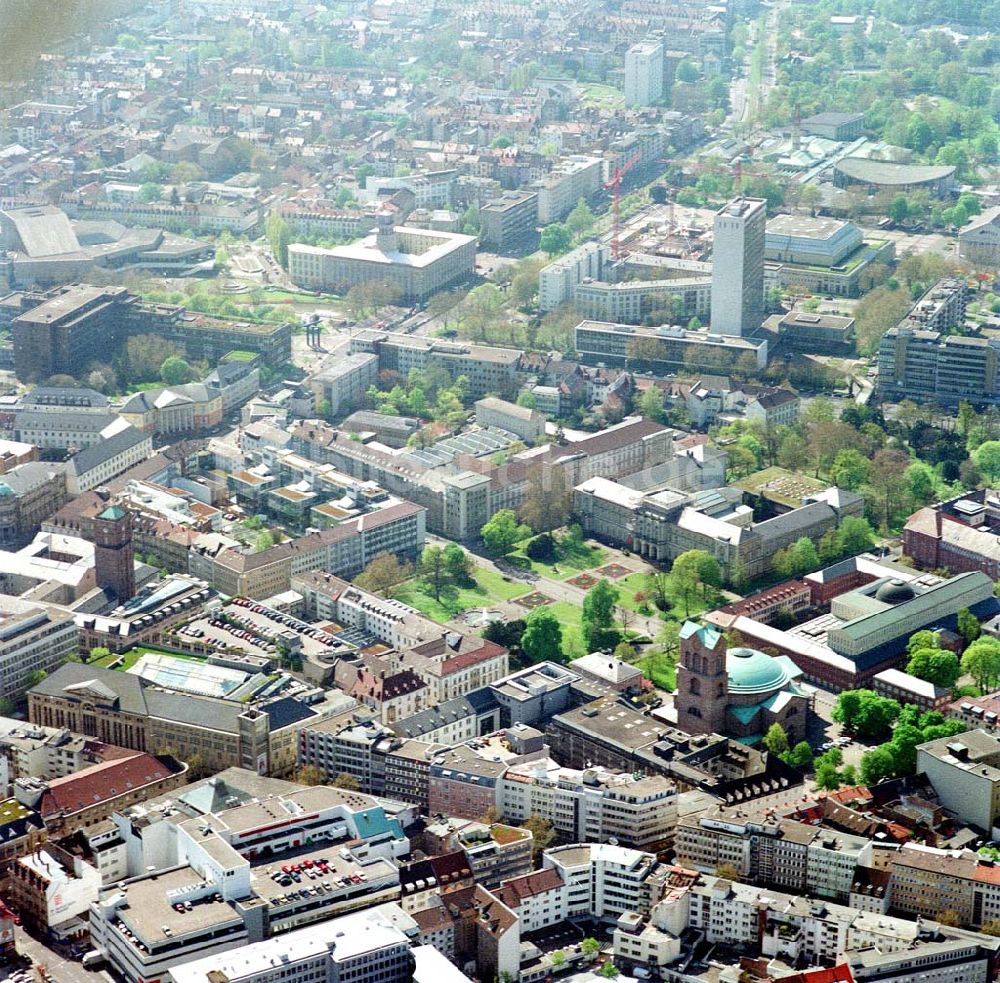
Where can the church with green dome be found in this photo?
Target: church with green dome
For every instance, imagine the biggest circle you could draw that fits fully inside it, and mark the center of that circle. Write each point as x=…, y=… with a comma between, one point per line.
x=739, y=692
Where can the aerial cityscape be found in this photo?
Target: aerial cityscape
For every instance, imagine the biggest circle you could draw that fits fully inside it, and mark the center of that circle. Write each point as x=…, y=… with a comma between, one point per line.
x=499, y=491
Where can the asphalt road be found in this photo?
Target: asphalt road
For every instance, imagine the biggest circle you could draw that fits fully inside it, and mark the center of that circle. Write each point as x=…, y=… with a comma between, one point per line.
x=60, y=970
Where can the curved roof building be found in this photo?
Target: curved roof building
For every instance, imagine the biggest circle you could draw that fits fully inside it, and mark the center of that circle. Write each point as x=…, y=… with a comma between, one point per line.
x=740, y=692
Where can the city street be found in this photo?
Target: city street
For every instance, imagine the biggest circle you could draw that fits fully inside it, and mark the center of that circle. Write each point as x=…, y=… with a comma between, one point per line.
x=59, y=970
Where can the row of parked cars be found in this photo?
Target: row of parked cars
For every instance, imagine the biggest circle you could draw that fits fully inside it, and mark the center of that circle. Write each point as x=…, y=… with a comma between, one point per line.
x=287, y=620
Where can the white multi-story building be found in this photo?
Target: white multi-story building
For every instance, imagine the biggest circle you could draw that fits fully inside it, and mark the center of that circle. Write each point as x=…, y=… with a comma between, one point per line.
x=572, y=178
x=786, y=853
x=738, y=267
x=644, y=73
x=343, y=385
x=32, y=637
x=592, y=806
x=53, y=890
x=204, y=885
x=557, y=280
x=797, y=930
x=363, y=947
x=582, y=880
x=396, y=624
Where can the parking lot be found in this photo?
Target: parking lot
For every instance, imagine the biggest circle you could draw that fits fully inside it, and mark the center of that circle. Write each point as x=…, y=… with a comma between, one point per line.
x=250, y=627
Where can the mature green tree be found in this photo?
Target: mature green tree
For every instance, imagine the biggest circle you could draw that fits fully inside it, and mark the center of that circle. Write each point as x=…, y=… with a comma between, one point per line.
x=855, y=535
x=581, y=219
x=878, y=765
x=865, y=713
x=506, y=633
x=692, y=572
x=542, y=638
x=937, y=666
x=981, y=660
x=987, y=459
x=598, y=620
x=776, y=740
x=923, y=639
x=801, y=756
x=279, y=237
x=503, y=532
x=547, y=500
x=650, y=404
x=459, y=566
x=383, y=573
x=556, y=239
x=827, y=776
x=968, y=625
x=433, y=569
x=175, y=371
x=850, y=469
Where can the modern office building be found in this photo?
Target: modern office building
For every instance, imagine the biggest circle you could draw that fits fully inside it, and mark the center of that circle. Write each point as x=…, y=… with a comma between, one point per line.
x=416, y=262
x=738, y=267
x=343, y=385
x=556, y=282
x=67, y=329
x=965, y=773
x=363, y=947
x=508, y=224
x=32, y=637
x=644, y=63
x=668, y=349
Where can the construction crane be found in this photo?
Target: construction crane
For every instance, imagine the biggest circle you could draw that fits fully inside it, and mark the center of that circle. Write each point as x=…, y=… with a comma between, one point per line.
x=615, y=186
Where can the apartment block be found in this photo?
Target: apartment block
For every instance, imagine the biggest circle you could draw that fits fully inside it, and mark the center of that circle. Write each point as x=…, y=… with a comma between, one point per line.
x=508, y=224
x=489, y=370
x=644, y=64
x=571, y=179
x=591, y=806
x=786, y=854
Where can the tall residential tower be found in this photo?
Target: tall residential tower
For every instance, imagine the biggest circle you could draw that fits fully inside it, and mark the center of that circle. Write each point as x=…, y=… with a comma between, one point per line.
x=644, y=74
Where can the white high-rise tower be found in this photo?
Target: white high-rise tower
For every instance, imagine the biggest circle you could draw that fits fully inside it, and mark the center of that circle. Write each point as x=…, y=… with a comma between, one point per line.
x=738, y=267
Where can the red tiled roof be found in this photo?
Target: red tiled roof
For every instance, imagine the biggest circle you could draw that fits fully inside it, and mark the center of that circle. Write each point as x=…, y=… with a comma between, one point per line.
x=514, y=891
x=101, y=783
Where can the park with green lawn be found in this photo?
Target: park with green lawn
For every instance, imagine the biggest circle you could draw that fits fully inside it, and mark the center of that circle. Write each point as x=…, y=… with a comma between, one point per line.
x=481, y=589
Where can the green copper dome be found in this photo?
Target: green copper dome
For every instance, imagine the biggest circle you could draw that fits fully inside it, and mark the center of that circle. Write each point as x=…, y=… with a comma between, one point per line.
x=751, y=671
